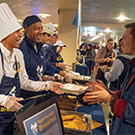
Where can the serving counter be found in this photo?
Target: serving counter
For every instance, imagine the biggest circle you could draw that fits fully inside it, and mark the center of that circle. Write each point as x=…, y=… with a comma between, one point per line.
x=96, y=111
x=98, y=121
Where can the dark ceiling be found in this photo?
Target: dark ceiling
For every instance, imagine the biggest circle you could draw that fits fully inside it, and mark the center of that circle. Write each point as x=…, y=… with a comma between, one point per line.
x=105, y=11
x=100, y=13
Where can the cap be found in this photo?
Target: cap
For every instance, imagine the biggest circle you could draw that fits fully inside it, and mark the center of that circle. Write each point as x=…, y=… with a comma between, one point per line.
x=8, y=21
x=29, y=20
x=59, y=43
x=49, y=28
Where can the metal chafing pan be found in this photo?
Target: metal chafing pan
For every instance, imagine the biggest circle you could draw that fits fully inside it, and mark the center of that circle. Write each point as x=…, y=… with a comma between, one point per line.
x=86, y=119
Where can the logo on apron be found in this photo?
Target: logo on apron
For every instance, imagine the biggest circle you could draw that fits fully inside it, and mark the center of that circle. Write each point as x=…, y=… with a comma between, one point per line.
x=59, y=58
x=39, y=70
x=18, y=66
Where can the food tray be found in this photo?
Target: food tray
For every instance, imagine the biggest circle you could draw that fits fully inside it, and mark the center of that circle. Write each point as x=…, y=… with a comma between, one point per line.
x=67, y=103
x=86, y=119
x=73, y=89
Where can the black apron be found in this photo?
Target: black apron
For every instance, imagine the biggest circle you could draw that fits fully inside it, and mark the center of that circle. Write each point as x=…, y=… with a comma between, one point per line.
x=9, y=86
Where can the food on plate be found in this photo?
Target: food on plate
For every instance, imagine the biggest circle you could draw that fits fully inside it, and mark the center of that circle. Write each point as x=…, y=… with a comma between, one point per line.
x=77, y=76
x=80, y=89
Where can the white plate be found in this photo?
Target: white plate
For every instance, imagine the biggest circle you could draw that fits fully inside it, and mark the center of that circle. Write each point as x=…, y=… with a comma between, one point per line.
x=74, y=89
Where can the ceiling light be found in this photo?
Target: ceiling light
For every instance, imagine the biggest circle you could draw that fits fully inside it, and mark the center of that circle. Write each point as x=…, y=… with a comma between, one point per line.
x=97, y=36
x=44, y=15
x=107, y=30
x=101, y=34
x=122, y=18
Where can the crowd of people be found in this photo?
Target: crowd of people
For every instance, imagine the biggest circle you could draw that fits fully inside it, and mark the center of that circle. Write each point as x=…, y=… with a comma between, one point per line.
x=24, y=67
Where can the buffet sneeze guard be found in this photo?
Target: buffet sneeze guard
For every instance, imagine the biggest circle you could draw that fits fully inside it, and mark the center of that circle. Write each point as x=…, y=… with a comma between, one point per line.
x=41, y=116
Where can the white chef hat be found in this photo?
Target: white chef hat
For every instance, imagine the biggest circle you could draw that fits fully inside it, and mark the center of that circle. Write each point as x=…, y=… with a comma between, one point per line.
x=8, y=21
x=59, y=43
x=49, y=28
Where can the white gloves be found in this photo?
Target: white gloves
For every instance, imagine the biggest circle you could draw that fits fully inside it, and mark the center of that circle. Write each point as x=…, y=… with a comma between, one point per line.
x=13, y=104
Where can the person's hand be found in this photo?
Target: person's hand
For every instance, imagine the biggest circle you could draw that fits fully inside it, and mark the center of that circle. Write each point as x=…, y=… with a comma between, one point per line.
x=13, y=104
x=97, y=94
x=107, y=59
x=58, y=78
x=55, y=87
x=68, y=78
x=91, y=84
x=62, y=66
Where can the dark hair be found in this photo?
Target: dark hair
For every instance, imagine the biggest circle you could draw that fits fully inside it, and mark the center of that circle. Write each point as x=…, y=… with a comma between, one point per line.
x=91, y=47
x=55, y=35
x=115, y=45
x=46, y=33
x=120, y=40
x=110, y=39
x=132, y=26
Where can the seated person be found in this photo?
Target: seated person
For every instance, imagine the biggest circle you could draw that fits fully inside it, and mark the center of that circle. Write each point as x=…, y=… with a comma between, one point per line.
x=59, y=49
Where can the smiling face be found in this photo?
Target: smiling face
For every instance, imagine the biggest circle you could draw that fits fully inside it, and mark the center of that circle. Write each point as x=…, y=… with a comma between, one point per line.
x=13, y=40
x=110, y=45
x=59, y=49
x=54, y=39
x=128, y=42
x=46, y=38
x=34, y=32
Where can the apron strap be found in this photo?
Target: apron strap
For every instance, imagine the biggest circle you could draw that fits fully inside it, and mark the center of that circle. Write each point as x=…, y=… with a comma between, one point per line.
x=2, y=61
x=16, y=64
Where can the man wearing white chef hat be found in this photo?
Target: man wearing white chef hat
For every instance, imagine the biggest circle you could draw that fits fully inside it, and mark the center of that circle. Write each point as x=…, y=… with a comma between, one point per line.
x=12, y=71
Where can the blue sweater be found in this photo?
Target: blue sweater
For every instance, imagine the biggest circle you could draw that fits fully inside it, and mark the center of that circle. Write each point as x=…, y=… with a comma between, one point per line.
x=36, y=63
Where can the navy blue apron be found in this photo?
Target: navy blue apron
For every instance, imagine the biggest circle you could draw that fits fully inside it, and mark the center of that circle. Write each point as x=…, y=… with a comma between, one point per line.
x=35, y=60
x=6, y=87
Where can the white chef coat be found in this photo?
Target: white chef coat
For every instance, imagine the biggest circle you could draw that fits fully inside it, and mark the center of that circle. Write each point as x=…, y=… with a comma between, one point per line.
x=25, y=83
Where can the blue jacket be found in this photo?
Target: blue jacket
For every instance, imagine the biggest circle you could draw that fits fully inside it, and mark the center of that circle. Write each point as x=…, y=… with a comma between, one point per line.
x=124, y=107
x=51, y=54
x=36, y=62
